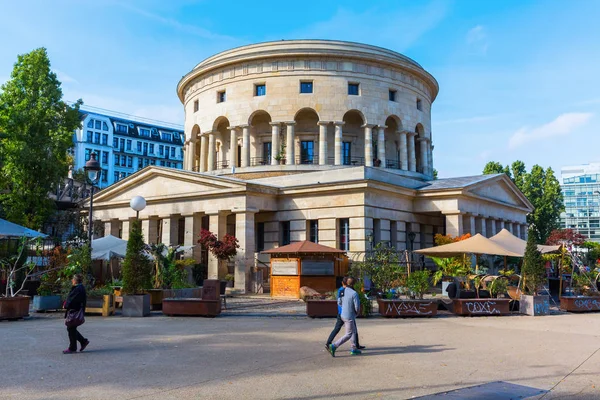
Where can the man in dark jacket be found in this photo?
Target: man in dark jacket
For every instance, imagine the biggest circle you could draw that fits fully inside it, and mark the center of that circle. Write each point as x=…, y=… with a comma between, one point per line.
x=75, y=301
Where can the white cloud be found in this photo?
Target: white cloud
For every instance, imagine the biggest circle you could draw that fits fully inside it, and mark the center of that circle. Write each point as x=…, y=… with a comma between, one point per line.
x=64, y=78
x=563, y=125
x=477, y=38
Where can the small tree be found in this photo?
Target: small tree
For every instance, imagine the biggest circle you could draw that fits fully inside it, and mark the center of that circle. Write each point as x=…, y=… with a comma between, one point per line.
x=137, y=268
x=382, y=267
x=565, y=237
x=223, y=249
x=533, y=270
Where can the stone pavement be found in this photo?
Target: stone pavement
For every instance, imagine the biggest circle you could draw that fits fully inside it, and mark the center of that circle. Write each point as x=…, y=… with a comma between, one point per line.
x=281, y=355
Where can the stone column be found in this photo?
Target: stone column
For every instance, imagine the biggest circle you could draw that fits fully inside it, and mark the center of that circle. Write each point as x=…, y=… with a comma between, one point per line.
x=192, y=150
x=492, y=227
x=368, y=145
x=338, y=142
x=501, y=224
x=170, y=230
x=218, y=226
x=454, y=224
x=483, y=226
x=323, y=142
x=509, y=226
x=186, y=155
x=290, y=143
x=381, y=144
x=403, y=151
x=412, y=159
x=203, y=154
x=146, y=230
x=233, y=146
x=274, y=142
x=517, y=230
x=191, y=232
x=244, y=260
x=245, y=146
x=125, y=226
x=472, y=225
x=211, y=152
x=424, y=153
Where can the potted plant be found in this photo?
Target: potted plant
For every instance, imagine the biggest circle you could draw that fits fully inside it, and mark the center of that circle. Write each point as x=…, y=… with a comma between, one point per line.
x=13, y=305
x=449, y=267
x=280, y=156
x=377, y=162
x=417, y=284
x=48, y=295
x=498, y=287
x=321, y=306
x=534, y=276
x=136, y=272
x=101, y=301
x=230, y=279
x=223, y=250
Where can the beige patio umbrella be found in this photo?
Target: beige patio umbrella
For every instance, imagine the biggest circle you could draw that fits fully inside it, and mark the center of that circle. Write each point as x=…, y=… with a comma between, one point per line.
x=517, y=245
x=477, y=244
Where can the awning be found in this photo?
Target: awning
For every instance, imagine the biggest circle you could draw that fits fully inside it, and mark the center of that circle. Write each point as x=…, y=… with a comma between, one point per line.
x=477, y=244
x=517, y=245
x=108, y=247
x=10, y=230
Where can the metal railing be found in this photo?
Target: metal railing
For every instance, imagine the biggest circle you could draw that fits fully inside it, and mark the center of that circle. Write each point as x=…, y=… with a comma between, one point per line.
x=314, y=159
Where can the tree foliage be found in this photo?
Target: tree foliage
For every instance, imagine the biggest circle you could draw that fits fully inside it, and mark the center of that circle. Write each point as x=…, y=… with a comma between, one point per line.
x=383, y=267
x=137, y=268
x=568, y=237
x=37, y=128
x=543, y=191
x=533, y=269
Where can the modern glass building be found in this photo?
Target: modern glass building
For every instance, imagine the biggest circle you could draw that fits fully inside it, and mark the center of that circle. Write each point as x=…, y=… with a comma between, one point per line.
x=581, y=192
x=125, y=144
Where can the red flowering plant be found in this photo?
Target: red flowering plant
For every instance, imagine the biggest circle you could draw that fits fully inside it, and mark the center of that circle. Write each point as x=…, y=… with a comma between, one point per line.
x=223, y=249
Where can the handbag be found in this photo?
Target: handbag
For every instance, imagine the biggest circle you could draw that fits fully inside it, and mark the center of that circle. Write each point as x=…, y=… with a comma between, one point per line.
x=75, y=318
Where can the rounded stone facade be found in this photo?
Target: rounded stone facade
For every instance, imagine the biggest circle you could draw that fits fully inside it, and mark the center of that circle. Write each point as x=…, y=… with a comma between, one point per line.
x=308, y=103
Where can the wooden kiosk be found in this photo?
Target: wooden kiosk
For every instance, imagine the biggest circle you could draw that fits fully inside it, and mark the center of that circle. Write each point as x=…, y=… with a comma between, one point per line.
x=305, y=264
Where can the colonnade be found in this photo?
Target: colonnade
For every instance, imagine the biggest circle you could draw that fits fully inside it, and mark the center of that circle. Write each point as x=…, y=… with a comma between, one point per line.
x=460, y=223
x=408, y=159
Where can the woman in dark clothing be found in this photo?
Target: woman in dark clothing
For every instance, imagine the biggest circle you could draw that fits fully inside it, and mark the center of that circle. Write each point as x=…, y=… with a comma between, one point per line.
x=75, y=302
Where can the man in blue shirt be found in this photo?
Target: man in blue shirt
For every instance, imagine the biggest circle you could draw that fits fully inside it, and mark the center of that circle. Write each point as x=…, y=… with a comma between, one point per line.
x=350, y=304
x=339, y=323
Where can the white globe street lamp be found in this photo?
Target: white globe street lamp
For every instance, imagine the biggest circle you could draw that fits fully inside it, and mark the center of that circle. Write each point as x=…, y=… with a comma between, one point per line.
x=138, y=203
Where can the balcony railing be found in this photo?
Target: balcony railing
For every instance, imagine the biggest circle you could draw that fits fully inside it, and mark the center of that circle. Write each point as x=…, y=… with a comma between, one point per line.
x=221, y=164
x=307, y=159
x=254, y=161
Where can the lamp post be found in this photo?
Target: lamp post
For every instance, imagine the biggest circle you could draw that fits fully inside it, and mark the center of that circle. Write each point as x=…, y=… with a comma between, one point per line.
x=138, y=203
x=93, y=172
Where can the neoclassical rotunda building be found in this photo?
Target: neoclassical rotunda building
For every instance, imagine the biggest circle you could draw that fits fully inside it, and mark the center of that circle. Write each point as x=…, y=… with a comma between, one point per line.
x=317, y=140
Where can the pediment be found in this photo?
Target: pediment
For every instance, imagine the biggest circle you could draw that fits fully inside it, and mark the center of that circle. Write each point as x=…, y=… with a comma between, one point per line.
x=501, y=190
x=159, y=183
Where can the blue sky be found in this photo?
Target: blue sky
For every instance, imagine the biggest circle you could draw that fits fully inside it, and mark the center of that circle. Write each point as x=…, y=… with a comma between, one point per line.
x=518, y=79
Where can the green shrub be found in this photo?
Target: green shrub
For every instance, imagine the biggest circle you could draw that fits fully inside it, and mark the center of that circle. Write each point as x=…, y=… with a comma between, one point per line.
x=418, y=283
x=137, y=268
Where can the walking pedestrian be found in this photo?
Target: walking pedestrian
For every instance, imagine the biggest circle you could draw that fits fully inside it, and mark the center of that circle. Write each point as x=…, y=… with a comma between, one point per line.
x=339, y=323
x=350, y=308
x=74, y=315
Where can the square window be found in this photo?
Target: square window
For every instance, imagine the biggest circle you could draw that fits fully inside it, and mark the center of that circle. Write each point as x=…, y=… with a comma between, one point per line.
x=392, y=95
x=117, y=159
x=306, y=87
x=221, y=96
x=419, y=105
x=353, y=89
x=115, y=142
x=151, y=147
x=196, y=106
x=139, y=146
x=260, y=89
x=129, y=145
x=89, y=136
x=97, y=137
x=104, y=139
x=285, y=235
x=98, y=124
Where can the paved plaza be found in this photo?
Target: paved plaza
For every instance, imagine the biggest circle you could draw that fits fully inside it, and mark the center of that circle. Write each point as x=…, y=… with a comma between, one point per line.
x=260, y=349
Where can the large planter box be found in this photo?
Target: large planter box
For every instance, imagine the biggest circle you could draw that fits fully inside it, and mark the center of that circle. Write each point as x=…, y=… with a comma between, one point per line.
x=104, y=305
x=14, y=307
x=322, y=308
x=136, y=305
x=45, y=303
x=579, y=303
x=407, y=308
x=192, y=307
x=473, y=307
x=534, y=305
